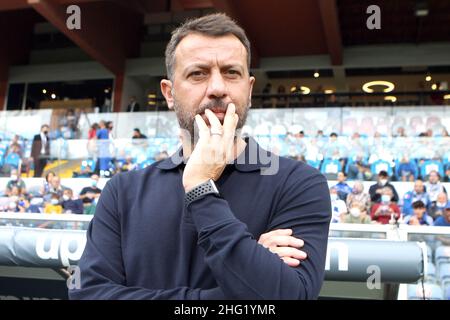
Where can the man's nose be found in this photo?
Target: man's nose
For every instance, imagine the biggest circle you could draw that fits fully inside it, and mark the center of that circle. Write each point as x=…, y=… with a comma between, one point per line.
x=217, y=88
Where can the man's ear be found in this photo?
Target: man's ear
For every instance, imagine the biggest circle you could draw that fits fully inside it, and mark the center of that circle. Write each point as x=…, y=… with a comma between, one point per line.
x=251, y=82
x=166, y=89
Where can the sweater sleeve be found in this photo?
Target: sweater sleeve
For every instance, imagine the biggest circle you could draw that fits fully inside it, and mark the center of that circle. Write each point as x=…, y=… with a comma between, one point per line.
x=245, y=269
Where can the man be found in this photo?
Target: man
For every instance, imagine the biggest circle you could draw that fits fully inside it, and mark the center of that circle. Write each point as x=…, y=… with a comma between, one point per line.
x=93, y=191
x=418, y=193
x=55, y=187
x=375, y=190
x=419, y=217
x=343, y=189
x=338, y=206
x=104, y=156
x=133, y=106
x=40, y=150
x=434, y=186
x=16, y=181
x=437, y=208
x=186, y=227
x=383, y=211
x=444, y=220
x=71, y=205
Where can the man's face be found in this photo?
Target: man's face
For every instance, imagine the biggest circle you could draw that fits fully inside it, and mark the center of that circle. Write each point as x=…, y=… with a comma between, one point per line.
x=433, y=177
x=56, y=182
x=209, y=73
x=418, y=186
x=418, y=212
x=341, y=177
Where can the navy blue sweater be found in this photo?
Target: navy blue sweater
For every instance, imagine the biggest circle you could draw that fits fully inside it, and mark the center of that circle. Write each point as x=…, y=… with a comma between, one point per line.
x=143, y=243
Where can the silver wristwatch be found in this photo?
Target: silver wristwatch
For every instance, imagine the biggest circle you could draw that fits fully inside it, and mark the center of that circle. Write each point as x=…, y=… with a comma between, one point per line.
x=200, y=190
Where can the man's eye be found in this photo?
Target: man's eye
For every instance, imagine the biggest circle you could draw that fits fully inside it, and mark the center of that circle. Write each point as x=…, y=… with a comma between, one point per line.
x=197, y=74
x=233, y=72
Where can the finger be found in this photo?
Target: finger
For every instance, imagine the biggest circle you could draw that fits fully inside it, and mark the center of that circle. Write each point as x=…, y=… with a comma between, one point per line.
x=269, y=234
x=291, y=262
x=203, y=130
x=289, y=252
x=213, y=121
x=215, y=140
x=284, y=241
x=229, y=123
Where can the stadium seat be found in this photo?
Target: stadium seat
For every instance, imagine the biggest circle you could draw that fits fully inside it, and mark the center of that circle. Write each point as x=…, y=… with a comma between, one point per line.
x=432, y=292
x=444, y=273
x=88, y=165
x=431, y=273
x=314, y=163
x=442, y=255
x=398, y=174
x=381, y=165
x=431, y=165
x=330, y=168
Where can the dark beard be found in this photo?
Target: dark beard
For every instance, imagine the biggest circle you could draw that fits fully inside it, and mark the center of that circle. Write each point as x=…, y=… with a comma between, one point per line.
x=186, y=120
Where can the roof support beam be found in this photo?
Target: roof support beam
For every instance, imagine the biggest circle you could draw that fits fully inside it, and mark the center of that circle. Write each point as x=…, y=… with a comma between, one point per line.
x=331, y=27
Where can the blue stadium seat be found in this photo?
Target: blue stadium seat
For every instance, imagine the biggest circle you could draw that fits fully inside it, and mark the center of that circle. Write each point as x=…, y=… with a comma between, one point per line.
x=314, y=163
x=330, y=168
x=442, y=255
x=431, y=273
x=432, y=292
x=381, y=165
x=13, y=160
x=444, y=273
x=431, y=165
x=85, y=164
x=398, y=174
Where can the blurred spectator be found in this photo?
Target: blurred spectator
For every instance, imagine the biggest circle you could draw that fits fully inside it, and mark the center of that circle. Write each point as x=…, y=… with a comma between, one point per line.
x=418, y=193
x=45, y=188
x=437, y=208
x=40, y=150
x=406, y=169
x=383, y=211
x=129, y=165
x=444, y=220
x=139, y=139
x=358, y=195
x=55, y=187
x=16, y=181
x=357, y=214
x=266, y=92
x=92, y=143
x=400, y=133
x=359, y=170
x=89, y=205
x=70, y=205
x=93, y=191
x=133, y=106
x=53, y=205
x=12, y=159
x=343, y=189
x=419, y=216
x=138, y=135
x=281, y=100
x=104, y=156
x=375, y=190
x=434, y=186
x=25, y=206
x=332, y=149
x=338, y=206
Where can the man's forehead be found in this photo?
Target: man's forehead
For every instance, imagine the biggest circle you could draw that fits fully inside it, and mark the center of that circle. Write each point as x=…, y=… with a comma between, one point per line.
x=202, y=48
